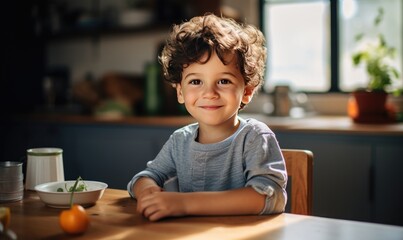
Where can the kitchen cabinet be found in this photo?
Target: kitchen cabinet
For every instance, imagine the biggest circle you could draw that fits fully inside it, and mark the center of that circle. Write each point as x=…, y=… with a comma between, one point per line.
x=355, y=176
x=342, y=166
x=388, y=184
x=113, y=154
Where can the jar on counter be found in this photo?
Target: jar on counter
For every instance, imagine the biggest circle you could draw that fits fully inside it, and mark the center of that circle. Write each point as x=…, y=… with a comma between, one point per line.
x=281, y=100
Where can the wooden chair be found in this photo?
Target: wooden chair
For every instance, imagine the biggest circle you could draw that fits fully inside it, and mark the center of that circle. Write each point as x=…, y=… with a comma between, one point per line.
x=299, y=165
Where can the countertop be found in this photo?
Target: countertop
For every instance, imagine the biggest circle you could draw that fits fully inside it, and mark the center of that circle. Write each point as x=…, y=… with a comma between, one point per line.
x=312, y=124
x=328, y=124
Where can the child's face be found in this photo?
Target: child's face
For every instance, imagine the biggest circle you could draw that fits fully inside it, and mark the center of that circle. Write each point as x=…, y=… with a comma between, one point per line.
x=212, y=92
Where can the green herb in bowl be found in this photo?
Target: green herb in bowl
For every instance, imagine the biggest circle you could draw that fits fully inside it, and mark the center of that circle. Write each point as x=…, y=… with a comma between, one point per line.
x=80, y=188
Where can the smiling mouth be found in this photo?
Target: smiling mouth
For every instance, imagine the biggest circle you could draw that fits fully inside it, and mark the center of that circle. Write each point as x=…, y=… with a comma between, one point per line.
x=210, y=107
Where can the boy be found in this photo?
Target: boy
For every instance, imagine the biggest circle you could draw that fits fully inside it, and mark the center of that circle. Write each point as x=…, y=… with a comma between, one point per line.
x=224, y=165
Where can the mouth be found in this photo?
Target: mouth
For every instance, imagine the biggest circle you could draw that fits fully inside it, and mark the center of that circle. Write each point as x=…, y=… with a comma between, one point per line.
x=210, y=107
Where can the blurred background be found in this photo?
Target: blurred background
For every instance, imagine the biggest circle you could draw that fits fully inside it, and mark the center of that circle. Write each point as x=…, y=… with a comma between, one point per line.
x=99, y=57
x=93, y=56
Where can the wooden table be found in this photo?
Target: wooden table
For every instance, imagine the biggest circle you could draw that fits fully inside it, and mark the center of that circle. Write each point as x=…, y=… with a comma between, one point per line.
x=114, y=217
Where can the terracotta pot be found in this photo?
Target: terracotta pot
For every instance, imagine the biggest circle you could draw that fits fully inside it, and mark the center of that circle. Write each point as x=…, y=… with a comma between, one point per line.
x=368, y=107
x=371, y=103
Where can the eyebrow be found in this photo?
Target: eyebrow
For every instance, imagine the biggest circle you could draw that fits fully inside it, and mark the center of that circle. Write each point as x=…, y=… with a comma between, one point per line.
x=223, y=73
x=230, y=73
x=189, y=75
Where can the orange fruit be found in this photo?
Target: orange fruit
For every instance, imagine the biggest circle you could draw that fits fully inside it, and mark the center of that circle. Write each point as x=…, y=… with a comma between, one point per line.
x=352, y=108
x=5, y=216
x=75, y=220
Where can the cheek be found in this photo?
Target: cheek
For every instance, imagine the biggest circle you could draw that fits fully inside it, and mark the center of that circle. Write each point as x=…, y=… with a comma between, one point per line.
x=235, y=93
x=189, y=96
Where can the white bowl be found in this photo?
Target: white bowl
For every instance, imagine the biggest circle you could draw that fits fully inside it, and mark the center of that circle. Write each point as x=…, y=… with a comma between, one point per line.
x=50, y=196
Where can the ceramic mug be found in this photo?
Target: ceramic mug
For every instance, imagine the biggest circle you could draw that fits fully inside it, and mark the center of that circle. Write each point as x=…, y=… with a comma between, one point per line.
x=44, y=165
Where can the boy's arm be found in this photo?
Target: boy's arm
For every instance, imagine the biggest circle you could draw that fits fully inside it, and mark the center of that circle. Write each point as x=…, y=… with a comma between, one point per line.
x=240, y=201
x=144, y=186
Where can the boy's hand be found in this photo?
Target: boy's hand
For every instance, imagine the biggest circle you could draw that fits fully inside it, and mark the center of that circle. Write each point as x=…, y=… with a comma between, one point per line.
x=148, y=190
x=158, y=205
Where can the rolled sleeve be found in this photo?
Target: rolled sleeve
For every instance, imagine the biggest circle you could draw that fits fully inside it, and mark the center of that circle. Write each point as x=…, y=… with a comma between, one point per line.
x=276, y=197
x=265, y=172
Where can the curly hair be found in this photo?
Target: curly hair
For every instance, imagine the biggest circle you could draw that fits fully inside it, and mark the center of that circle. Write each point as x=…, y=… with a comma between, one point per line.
x=188, y=42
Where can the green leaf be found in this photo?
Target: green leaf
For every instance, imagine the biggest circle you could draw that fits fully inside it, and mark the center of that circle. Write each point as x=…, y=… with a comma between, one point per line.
x=357, y=58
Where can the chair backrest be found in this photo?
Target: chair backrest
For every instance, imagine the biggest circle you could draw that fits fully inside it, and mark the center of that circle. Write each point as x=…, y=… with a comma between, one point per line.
x=299, y=164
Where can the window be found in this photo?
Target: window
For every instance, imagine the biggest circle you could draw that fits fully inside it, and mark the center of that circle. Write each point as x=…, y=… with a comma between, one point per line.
x=310, y=42
x=298, y=44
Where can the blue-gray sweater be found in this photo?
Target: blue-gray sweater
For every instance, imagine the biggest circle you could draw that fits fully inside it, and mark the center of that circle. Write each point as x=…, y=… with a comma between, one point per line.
x=250, y=157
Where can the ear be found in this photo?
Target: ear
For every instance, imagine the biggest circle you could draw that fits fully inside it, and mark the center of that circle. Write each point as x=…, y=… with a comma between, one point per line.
x=248, y=94
x=179, y=94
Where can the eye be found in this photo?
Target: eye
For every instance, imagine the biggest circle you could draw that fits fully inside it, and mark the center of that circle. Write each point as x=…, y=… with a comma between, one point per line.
x=195, y=82
x=224, y=81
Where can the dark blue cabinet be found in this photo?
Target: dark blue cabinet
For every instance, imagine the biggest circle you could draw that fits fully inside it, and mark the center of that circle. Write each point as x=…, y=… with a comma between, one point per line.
x=113, y=154
x=355, y=176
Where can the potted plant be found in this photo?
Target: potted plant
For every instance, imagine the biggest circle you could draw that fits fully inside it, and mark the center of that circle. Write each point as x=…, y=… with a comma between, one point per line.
x=369, y=105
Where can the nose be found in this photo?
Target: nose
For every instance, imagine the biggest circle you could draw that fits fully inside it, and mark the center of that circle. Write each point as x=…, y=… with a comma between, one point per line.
x=210, y=91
